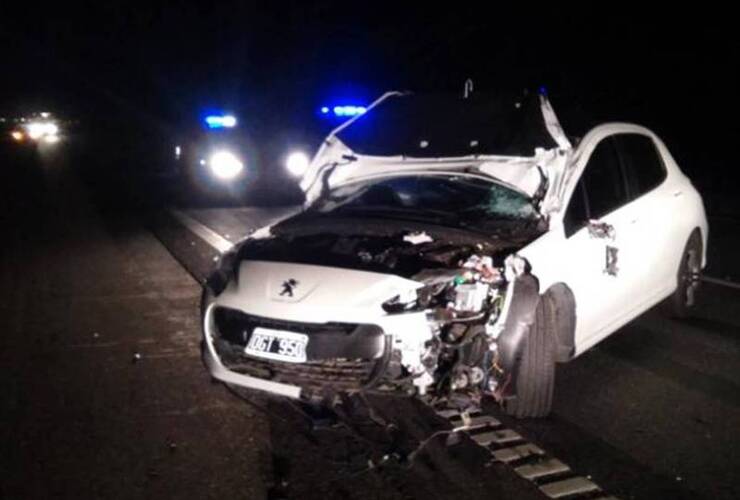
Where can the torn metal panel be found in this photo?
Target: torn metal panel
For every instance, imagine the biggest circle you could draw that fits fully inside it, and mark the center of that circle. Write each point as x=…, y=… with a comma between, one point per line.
x=338, y=162
x=553, y=124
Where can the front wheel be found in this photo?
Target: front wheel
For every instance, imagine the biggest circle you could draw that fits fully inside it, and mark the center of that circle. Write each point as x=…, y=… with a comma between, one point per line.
x=536, y=379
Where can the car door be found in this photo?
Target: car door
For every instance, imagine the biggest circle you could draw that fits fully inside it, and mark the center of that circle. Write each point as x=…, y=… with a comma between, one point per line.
x=655, y=205
x=600, y=246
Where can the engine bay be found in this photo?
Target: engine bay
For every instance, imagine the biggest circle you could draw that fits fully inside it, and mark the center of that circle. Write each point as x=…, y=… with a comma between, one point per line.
x=463, y=295
x=463, y=305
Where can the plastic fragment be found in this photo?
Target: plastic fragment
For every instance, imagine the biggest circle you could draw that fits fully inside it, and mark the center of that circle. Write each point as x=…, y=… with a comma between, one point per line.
x=418, y=238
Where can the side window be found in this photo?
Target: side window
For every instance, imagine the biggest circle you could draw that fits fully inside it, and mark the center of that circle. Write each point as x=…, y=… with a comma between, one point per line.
x=600, y=190
x=576, y=216
x=642, y=162
x=603, y=181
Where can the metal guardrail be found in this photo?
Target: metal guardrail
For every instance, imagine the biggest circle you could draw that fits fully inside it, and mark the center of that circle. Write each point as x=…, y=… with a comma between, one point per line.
x=719, y=281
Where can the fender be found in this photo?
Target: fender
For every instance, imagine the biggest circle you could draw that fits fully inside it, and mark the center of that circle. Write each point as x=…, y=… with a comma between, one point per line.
x=513, y=327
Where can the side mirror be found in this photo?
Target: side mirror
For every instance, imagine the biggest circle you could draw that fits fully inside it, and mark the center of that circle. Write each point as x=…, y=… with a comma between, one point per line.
x=601, y=230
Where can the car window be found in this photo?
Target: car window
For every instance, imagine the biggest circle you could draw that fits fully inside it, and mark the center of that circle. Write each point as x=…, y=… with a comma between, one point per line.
x=643, y=164
x=576, y=216
x=603, y=180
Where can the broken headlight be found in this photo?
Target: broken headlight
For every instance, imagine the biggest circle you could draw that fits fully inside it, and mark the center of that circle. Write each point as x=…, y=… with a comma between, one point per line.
x=225, y=270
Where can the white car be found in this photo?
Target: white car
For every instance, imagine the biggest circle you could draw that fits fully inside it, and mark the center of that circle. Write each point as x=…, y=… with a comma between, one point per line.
x=455, y=248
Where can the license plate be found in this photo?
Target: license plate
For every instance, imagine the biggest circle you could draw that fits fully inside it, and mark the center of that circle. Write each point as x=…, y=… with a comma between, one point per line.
x=278, y=345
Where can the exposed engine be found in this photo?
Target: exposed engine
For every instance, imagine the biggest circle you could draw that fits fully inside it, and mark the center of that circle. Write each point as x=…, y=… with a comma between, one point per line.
x=462, y=305
x=454, y=358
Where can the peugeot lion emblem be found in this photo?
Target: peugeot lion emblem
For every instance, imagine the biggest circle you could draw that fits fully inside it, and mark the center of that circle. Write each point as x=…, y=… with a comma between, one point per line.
x=288, y=287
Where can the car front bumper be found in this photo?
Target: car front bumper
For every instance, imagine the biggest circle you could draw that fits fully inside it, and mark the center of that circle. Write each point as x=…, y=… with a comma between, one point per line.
x=220, y=372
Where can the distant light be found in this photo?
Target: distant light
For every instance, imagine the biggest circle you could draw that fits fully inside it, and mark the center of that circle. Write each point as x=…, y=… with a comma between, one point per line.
x=45, y=114
x=325, y=110
x=225, y=165
x=297, y=162
x=178, y=151
x=17, y=135
x=37, y=130
x=51, y=139
x=221, y=121
x=349, y=110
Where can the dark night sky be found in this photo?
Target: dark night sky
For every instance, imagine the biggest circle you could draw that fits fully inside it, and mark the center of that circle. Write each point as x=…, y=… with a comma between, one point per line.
x=161, y=63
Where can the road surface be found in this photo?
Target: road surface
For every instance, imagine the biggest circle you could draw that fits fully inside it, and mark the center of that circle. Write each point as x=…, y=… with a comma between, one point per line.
x=105, y=395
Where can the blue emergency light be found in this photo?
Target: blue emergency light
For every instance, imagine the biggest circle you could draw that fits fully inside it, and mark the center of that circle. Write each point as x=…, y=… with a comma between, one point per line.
x=347, y=110
x=220, y=121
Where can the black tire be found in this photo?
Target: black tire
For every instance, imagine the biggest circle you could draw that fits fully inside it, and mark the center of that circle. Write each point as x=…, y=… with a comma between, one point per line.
x=536, y=378
x=681, y=303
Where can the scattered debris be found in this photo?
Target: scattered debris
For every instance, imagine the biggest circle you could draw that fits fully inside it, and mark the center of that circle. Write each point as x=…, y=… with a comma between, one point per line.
x=484, y=268
x=418, y=238
x=171, y=445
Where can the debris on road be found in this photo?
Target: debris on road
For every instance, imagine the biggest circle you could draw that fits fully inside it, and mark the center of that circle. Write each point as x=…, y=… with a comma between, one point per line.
x=418, y=238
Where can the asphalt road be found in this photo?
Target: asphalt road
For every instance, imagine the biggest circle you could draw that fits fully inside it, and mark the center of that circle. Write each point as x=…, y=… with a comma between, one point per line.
x=105, y=396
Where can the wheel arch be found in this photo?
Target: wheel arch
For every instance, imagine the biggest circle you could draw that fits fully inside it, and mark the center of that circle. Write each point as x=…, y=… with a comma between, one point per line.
x=701, y=238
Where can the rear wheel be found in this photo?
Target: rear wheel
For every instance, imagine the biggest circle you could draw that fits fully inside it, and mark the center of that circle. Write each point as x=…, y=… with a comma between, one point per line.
x=536, y=379
x=681, y=303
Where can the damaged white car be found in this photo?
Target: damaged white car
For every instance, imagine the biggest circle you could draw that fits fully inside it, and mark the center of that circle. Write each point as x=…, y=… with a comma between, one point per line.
x=455, y=248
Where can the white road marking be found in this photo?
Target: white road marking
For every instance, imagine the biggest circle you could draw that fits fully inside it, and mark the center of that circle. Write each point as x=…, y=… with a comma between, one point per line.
x=202, y=231
x=497, y=436
x=568, y=487
x=528, y=460
x=518, y=452
x=546, y=467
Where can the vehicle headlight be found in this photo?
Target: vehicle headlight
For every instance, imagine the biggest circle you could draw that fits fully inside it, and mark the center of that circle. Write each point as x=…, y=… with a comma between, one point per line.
x=225, y=165
x=297, y=162
x=52, y=129
x=37, y=130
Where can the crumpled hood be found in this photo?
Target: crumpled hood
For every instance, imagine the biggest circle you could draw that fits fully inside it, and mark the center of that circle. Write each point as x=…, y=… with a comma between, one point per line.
x=335, y=163
x=310, y=293
x=378, y=245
